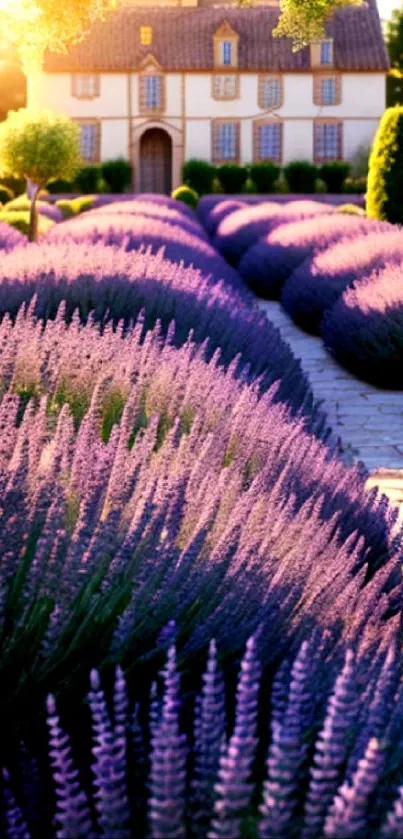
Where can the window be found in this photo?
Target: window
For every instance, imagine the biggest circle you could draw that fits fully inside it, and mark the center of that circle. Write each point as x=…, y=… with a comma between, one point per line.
x=151, y=92
x=225, y=142
x=328, y=137
x=268, y=141
x=326, y=53
x=146, y=36
x=226, y=48
x=225, y=87
x=328, y=91
x=86, y=86
x=270, y=92
x=90, y=141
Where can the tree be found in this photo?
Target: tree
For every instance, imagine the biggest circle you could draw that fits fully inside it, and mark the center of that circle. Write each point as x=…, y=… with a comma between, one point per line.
x=394, y=38
x=40, y=147
x=304, y=21
x=37, y=25
x=385, y=176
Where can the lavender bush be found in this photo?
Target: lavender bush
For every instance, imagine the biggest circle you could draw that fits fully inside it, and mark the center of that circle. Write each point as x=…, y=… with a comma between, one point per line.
x=364, y=328
x=116, y=285
x=268, y=264
x=317, y=283
x=333, y=767
x=162, y=201
x=243, y=228
x=148, y=209
x=131, y=232
x=203, y=503
x=211, y=217
x=9, y=237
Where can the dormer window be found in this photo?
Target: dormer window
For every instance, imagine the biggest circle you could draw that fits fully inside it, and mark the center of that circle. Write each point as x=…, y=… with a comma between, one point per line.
x=225, y=41
x=326, y=53
x=85, y=86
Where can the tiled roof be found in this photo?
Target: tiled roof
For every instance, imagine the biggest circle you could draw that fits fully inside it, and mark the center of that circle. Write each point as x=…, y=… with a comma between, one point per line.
x=183, y=40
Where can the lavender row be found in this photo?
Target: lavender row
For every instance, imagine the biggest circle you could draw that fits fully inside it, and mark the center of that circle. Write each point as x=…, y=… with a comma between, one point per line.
x=332, y=768
x=140, y=483
x=115, y=285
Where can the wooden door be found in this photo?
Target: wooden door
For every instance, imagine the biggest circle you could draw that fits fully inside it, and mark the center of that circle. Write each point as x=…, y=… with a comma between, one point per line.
x=156, y=161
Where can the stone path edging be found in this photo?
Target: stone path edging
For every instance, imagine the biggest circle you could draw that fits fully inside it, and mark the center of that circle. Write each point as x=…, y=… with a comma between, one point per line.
x=369, y=421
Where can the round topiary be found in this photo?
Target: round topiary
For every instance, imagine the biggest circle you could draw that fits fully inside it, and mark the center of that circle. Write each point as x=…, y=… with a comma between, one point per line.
x=385, y=176
x=187, y=195
x=6, y=195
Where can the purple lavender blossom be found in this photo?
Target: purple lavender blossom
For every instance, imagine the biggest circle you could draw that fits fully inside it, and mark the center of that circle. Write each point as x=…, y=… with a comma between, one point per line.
x=316, y=284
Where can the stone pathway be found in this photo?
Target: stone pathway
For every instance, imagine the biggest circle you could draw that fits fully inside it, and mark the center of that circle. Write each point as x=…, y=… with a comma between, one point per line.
x=368, y=421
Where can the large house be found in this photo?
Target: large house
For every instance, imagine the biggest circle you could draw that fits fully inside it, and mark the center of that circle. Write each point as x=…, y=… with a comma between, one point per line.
x=162, y=81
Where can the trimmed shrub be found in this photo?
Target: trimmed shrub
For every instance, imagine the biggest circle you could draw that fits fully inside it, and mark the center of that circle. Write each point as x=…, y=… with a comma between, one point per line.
x=242, y=229
x=264, y=175
x=355, y=186
x=22, y=203
x=334, y=175
x=300, y=176
x=74, y=206
x=117, y=174
x=199, y=175
x=364, y=328
x=385, y=176
x=19, y=219
x=6, y=194
x=58, y=187
x=187, y=195
x=88, y=179
x=316, y=284
x=110, y=284
x=268, y=264
x=232, y=177
x=351, y=210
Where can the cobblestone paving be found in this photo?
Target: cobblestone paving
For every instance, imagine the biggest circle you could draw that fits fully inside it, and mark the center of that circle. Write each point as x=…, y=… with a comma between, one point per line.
x=369, y=421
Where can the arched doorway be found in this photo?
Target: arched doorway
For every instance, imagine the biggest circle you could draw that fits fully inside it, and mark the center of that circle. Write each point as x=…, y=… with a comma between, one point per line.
x=156, y=161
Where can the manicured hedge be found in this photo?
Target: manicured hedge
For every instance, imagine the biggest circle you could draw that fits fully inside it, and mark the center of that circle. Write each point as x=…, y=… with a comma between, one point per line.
x=108, y=283
x=317, y=283
x=268, y=264
x=243, y=228
x=364, y=328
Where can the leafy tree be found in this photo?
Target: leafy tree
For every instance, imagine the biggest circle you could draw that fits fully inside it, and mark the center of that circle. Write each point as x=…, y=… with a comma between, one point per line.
x=394, y=38
x=40, y=147
x=37, y=25
x=304, y=21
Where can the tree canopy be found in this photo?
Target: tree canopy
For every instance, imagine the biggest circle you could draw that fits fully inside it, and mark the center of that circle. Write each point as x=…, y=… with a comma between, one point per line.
x=304, y=21
x=394, y=38
x=37, y=25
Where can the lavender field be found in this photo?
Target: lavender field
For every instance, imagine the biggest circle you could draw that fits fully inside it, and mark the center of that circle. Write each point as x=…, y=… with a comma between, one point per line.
x=200, y=604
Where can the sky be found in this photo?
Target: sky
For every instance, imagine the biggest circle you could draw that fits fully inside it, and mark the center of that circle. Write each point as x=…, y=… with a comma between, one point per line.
x=386, y=7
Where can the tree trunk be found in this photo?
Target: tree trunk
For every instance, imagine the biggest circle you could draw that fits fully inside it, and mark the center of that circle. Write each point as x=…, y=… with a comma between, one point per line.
x=32, y=191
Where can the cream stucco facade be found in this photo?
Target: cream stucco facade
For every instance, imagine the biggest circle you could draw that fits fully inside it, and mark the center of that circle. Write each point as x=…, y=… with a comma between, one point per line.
x=190, y=109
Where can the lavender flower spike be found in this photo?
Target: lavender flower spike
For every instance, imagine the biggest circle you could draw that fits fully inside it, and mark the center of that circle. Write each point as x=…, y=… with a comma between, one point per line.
x=166, y=806
x=15, y=823
x=234, y=790
x=347, y=817
x=72, y=811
